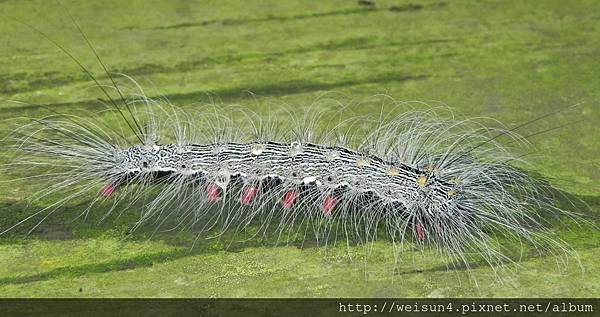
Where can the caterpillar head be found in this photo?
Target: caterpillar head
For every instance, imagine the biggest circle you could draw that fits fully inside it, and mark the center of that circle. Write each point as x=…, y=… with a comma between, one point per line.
x=143, y=163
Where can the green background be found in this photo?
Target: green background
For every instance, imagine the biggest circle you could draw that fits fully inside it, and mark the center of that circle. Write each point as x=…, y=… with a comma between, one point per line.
x=508, y=60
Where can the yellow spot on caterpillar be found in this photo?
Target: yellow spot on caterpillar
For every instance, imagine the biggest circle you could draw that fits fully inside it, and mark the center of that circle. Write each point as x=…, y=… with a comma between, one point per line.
x=257, y=149
x=392, y=171
x=422, y=181
x=362, y=161
x=432, y=169
x=451, y=193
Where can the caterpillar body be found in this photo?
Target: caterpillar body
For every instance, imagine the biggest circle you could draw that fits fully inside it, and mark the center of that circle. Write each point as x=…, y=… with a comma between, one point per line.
x=425, y=179
x=295, y=164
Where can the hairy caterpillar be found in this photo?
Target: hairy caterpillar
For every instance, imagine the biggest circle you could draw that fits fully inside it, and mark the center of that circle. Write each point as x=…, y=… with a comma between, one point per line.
x=435, y=181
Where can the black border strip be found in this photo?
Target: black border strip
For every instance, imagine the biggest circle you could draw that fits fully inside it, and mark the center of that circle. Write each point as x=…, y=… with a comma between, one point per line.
x=302, y=307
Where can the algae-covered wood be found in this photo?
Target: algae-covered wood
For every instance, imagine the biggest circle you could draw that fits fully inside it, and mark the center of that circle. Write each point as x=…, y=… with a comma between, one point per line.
x=508, y=60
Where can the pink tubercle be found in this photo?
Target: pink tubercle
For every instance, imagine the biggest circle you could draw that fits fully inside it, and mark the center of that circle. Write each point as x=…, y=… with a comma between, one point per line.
x=289, y=198
x=108, y=190
x=249, y=193
x=328, y=204
x=214, y=192
x=420, y=231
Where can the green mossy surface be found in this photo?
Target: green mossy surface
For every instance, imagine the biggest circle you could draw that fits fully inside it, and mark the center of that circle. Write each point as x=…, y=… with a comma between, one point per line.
x=508, y=60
